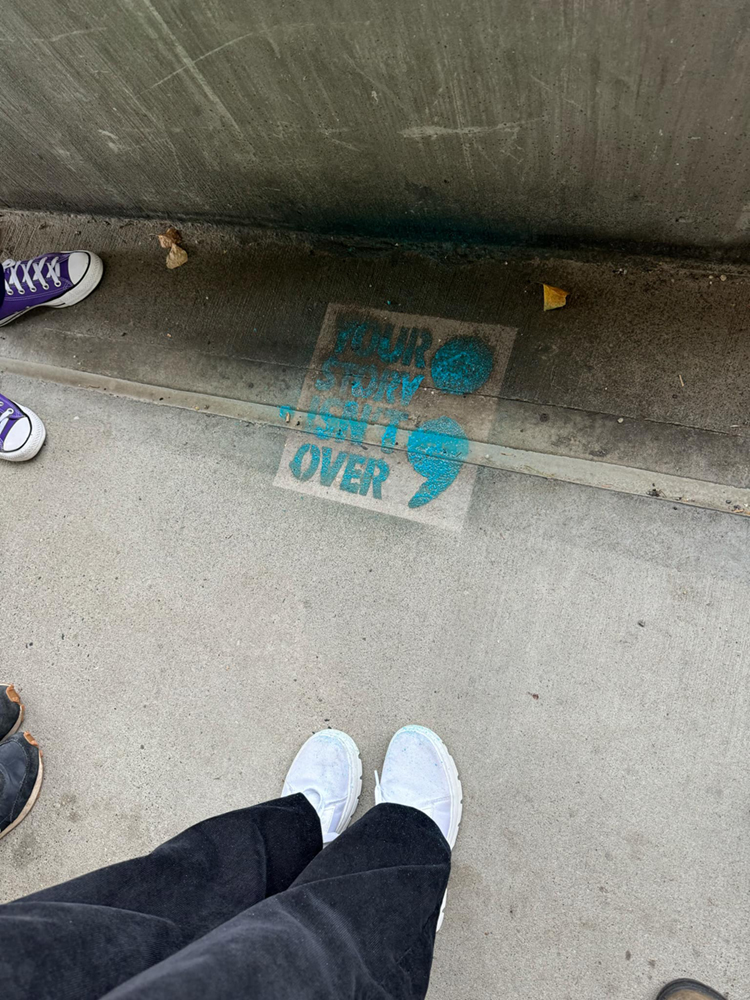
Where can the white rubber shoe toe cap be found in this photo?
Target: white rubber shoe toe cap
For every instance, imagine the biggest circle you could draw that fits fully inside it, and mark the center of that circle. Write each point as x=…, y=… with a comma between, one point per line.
x=78, y=264
x=85, y=270
x=25, y=438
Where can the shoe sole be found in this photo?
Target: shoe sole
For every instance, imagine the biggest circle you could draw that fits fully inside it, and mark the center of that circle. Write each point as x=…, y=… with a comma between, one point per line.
x=31, y=802
x=457, y=797
x=35, y=441
x=355, y=789
x=85, y=287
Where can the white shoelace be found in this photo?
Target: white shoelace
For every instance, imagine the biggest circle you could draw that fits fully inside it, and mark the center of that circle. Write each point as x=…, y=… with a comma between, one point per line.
x=18, y=273
x=4, y=417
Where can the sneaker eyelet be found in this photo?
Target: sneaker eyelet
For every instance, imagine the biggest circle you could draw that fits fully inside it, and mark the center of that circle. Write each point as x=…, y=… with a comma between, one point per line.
x=21, y=291
x=9, y=292
x=58, y=284
x=45, y=287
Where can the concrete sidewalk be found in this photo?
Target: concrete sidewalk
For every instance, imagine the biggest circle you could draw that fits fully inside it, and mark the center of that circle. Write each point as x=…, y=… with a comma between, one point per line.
x=177, y=625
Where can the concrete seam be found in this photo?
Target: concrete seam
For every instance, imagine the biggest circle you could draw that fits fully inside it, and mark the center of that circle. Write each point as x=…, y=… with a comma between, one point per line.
x=584, y=472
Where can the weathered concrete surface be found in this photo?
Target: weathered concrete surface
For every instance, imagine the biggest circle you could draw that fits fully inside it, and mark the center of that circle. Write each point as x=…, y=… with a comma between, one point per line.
x=644, y=338
x=648, y=366
x=177, y=626
x=619, y=120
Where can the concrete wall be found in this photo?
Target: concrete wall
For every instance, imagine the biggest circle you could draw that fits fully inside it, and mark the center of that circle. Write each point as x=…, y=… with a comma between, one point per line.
x=604, y=119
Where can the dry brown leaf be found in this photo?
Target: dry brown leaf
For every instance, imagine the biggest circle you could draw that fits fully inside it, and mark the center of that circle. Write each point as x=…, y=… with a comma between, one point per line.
x=554, y=298
x=176, y=256
x=172, y=237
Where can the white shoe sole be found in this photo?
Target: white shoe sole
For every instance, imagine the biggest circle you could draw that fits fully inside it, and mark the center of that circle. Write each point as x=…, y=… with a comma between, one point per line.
x=33, y=444
x=457, y=802
x=30, y=804
x=355, y=784
x=85, y=287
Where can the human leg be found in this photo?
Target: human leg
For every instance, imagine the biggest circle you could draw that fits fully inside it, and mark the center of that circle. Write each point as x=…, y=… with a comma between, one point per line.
x=359, y=922
x=80, y=939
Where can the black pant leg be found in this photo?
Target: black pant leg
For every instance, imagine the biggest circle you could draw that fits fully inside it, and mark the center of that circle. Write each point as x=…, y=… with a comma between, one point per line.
x=80, y=939
x=358, y=924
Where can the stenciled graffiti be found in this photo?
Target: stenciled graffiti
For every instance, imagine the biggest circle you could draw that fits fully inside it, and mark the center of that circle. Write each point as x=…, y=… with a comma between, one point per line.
x=378, y=388
x=390, y=405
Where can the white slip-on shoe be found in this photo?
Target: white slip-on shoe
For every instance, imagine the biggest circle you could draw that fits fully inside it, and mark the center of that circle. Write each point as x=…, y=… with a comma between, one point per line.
x=419, y=772
x=328, y=772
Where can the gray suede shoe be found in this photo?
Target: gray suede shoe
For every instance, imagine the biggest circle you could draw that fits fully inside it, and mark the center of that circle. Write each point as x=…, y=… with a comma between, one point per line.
x=688, y=989
x=11, y=711
x=20, y=779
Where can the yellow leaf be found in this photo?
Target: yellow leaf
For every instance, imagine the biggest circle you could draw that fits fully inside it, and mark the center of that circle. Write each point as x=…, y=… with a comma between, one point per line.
x=554, y=298
x=176, y=256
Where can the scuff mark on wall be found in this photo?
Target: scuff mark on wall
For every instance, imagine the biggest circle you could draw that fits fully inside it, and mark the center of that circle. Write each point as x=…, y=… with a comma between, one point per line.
x=552, y=90
x=204, y=85
x=268, y=33
x=439, y=131
x=69, y=34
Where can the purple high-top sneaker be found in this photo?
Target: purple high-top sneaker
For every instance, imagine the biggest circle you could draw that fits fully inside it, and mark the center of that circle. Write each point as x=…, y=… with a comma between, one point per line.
x=22, y=433
x=54, y=279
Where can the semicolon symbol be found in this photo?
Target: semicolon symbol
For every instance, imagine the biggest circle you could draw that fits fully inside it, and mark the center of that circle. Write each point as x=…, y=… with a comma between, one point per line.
x=437, y=450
